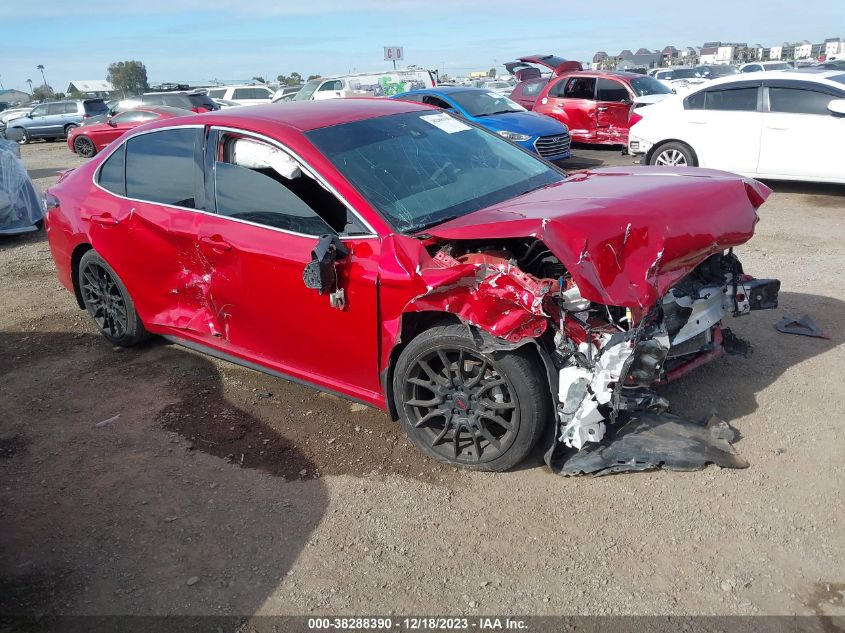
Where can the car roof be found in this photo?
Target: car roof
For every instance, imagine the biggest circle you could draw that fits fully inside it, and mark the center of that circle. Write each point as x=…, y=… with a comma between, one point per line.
x=304, y=116
x=618, y=74
x=238, y=86
x=822, y=77
x=445, y=90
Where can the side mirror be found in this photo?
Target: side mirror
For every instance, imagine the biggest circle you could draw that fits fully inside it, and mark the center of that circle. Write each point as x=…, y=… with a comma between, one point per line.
x=837, y=107
x=320, y=273
x=28, y=115
x=110, y=122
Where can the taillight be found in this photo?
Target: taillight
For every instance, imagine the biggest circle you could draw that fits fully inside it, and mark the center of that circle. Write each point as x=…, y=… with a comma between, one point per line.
x=634, y=118
x=50, y=202
x=86, y=116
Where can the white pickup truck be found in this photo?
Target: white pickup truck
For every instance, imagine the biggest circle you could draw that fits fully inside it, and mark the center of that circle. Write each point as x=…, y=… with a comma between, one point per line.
x=384, y=84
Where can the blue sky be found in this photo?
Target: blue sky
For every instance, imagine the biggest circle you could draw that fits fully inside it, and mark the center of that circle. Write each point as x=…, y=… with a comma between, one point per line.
x=208, y=39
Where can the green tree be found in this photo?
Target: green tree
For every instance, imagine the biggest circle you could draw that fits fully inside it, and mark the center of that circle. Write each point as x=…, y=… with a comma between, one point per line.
x=259, y=79
x=75, y=94
x=42, y=93
x=491, y=72
x=128, y=78
x=310, y=77
x=293, y=80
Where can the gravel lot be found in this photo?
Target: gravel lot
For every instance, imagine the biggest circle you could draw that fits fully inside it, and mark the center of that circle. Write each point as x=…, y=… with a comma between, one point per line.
x=159, y=481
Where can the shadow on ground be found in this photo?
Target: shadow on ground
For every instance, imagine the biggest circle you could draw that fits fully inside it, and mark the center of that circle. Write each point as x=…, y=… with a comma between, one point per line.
x=729, y=386
x=103, y=512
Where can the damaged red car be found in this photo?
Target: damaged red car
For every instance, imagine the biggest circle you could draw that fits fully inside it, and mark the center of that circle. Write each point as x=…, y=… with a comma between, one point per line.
x=399, y=256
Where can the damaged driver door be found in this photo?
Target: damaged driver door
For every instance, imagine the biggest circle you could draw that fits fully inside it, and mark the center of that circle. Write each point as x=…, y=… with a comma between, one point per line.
x=269, y=217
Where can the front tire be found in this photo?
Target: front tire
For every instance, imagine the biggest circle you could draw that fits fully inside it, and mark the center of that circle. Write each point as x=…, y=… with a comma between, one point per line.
x=84, y=146
x=466, y=408
x=25, y=137
x=673, y=154
x=108, y=302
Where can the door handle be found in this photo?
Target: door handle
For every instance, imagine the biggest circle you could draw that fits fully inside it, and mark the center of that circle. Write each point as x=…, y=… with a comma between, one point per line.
x=216, y=242
x=104, y=219
x=601, y=108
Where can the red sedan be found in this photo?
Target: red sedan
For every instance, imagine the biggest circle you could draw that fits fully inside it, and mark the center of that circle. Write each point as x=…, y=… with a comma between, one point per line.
x=597, y=105
x=402, y=257
x=90, y=139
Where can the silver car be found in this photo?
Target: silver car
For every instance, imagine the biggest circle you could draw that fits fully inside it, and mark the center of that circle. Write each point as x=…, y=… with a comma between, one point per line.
x=53, y=120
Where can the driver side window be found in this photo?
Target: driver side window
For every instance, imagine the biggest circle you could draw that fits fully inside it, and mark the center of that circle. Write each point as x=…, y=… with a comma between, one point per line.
x=259, y=183
x=39, y=111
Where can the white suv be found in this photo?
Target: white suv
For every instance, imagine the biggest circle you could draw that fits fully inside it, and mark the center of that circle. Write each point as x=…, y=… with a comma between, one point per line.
x=242, y=95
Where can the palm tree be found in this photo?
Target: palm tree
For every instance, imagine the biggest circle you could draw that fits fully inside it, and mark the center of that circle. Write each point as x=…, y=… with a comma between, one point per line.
x=29, y=81
x=41, y=68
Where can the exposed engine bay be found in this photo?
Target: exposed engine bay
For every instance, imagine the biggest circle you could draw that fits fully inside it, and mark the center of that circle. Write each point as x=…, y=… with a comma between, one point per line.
x=608, y=358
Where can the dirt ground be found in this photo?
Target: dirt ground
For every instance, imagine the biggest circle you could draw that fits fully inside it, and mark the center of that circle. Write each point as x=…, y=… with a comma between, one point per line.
x=159, y=481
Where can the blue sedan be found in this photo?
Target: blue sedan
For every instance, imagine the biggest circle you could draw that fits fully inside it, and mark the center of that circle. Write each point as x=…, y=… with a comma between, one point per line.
x=497, y=113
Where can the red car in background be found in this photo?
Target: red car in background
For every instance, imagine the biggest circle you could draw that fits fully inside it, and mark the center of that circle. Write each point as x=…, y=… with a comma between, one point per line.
x=88, y=140
x=597, y=105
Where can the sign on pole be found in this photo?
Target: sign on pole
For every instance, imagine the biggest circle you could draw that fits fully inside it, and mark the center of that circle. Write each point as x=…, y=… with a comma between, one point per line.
x=392, y=53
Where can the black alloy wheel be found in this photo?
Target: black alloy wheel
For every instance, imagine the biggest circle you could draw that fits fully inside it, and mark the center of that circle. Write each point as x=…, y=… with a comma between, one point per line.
x=108, y=302
x=84, y=146
x=467, y=408
x=104, y=300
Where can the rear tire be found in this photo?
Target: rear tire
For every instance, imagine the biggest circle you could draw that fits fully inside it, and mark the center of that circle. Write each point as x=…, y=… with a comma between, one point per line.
x=673, y=154
x=70, y=128
x=108, y=302
x=468, y=409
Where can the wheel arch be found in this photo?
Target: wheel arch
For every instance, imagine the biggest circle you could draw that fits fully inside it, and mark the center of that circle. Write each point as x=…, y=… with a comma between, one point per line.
x=660, y=144
x=412, y=325
x=75, y=257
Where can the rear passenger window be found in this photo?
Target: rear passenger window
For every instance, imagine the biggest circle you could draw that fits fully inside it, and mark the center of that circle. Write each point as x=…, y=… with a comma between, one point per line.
x=71, y=108
x=610, y=90
x=532, y=89
x=217, y=94
x=243, y=93
x=744, y=99
x=113, y=172
x=797, y=101
x=162, y=166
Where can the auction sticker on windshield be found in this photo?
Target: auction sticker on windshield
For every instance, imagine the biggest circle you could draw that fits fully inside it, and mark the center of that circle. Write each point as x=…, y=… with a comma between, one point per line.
x=445, y=123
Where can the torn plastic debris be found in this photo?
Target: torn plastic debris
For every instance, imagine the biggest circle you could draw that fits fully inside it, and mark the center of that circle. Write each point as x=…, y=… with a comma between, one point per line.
x=20, y=205
x=655, y=440
x=803, y=326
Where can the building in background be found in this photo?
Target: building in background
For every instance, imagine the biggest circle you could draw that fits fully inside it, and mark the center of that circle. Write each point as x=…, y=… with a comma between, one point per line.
x=14, y=97
x=92, y=88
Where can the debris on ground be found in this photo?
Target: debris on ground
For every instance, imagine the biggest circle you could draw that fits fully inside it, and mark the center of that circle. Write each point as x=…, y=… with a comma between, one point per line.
x=803, y=326
x=652, y=440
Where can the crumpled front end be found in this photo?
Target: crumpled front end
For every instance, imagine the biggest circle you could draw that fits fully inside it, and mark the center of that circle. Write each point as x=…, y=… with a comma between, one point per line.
x=616, y=302
x=610, y=358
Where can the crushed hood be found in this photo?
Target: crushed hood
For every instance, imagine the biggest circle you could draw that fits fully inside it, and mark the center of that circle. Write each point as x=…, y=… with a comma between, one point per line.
x=626, y=235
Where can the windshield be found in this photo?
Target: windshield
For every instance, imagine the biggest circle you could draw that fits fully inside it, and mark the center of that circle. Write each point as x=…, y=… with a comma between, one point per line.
x=420, y=169
x=483, y=103
x=683, y=73
x=307, y=90
x=780, y=66
x=644, y=85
